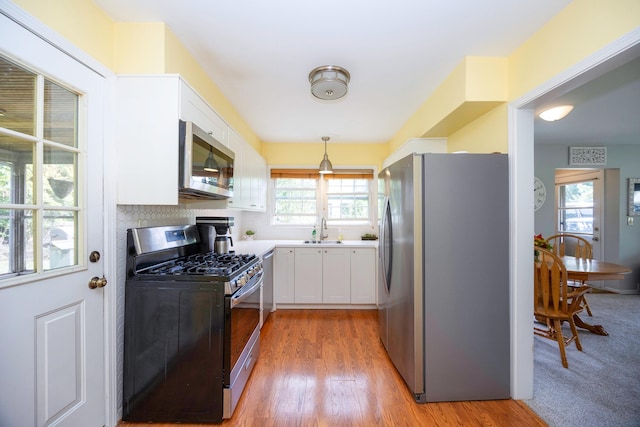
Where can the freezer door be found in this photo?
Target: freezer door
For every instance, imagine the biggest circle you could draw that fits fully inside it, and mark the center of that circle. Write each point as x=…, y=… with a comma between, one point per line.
x=404, y=313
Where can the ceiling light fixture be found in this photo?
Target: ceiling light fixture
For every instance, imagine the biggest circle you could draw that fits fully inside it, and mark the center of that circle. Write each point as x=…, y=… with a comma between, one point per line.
x=555, y=113
x=210, y=165
x=329, y=82
x=325, y=164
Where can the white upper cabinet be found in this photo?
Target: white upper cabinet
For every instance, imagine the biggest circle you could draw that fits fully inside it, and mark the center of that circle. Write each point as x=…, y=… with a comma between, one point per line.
x=250, y=175
x=147, y=114
x=258, y=181
x=195, y=109
x=240, y=197
x=148, y=108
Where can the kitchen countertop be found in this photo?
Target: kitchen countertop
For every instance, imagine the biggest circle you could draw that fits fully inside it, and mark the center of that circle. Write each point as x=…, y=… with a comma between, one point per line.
x=261, y=247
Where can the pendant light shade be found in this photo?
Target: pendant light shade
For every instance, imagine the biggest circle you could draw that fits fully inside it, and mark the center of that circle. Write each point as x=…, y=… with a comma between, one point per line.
x=325, y=164
x=210, y=165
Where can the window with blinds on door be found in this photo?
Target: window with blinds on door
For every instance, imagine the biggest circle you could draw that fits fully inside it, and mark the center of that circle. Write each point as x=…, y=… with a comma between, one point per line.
x=39, y=158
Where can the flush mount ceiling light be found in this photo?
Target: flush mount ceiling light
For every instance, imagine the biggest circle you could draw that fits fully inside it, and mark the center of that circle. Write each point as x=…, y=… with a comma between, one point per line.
x=329, y=82
x=555, y=113
x=325, y=164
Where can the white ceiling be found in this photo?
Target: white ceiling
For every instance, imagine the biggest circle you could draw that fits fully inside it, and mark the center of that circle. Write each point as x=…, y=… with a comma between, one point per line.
x=260, y=53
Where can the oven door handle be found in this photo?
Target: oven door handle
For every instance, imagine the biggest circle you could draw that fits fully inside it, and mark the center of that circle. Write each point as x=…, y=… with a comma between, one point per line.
x=245, y=293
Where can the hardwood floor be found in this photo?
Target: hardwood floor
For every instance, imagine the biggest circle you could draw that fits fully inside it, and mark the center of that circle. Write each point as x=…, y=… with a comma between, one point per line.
x=329, y=368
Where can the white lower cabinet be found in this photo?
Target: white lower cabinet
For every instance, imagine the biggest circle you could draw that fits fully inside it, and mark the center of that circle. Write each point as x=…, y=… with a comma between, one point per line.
x=308, y=276
x=315, y=275
x=363, y=275
x=284, y=278
x=336, y=286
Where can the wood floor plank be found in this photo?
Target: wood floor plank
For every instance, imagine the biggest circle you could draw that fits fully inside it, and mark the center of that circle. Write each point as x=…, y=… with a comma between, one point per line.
x=329, y=368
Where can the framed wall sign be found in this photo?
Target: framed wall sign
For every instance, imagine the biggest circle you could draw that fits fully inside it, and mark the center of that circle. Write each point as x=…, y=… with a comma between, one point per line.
x=580, y=156
x=634, y=196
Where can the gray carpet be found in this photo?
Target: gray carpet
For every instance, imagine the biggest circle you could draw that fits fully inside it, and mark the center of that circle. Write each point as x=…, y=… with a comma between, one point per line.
x=602, y=385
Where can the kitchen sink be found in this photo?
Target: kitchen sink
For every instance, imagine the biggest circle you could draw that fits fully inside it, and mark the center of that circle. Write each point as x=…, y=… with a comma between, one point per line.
x=323, y=242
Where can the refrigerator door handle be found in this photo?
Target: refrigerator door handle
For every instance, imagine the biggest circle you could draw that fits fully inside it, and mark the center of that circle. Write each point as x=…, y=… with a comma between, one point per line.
x=386, y=236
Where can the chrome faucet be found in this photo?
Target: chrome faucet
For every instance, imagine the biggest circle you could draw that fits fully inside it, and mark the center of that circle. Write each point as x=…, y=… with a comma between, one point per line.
x=323, y=227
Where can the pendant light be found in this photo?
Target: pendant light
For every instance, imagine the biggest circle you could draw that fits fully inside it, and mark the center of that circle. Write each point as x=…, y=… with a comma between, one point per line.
x=325, y=164
x=210, y=165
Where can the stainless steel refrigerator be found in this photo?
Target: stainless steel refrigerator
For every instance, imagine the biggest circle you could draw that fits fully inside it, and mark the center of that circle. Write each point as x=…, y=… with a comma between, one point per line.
x=443, y=290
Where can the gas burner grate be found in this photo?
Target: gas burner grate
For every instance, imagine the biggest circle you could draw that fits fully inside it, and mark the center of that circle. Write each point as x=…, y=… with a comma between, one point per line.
x=205, y=264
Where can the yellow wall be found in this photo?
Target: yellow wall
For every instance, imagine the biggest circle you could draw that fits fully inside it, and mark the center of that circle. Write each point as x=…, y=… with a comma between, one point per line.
x=476, y=85
x=87, y=27
x=133, y=48
x=581, y=29
x=487, y=134
x=139, y=48
x=306, y=154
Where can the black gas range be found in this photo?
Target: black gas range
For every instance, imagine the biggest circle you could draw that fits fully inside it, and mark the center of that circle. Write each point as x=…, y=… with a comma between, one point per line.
x=191, y=326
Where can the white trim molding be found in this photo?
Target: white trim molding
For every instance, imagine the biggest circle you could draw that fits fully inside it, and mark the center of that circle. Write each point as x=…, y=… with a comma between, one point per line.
x=521, y=162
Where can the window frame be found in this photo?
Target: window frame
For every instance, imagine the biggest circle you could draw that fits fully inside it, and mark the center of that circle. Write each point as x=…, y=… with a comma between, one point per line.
x=346, y=222
x=274, y=203
x=40, y=207
x=322, y=199
x=561, y=207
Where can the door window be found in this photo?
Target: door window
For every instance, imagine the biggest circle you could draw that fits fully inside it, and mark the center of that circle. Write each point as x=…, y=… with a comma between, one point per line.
x=575, y=208
x=39, y=158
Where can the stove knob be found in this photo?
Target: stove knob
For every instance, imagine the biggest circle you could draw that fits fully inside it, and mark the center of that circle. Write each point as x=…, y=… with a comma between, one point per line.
x=242, y=281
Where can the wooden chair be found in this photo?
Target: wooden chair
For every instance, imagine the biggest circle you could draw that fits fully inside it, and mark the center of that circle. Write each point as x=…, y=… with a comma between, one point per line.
x=554, y=301
x=572, y=245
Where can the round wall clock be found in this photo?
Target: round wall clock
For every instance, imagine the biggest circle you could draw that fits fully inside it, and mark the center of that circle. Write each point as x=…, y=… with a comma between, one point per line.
x=539, y=193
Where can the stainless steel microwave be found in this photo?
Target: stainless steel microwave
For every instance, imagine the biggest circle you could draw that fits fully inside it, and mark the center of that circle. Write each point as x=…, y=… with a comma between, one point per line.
x=206, y=165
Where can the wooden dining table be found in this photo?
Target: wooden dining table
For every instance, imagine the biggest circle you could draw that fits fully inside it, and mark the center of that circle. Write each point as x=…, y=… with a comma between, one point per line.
x=591, y=269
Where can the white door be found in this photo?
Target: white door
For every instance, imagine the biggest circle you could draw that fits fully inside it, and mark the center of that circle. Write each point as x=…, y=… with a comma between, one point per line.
x=52, y=362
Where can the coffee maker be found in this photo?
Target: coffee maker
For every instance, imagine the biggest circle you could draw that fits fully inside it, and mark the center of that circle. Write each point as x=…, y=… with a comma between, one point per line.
x=221, y=241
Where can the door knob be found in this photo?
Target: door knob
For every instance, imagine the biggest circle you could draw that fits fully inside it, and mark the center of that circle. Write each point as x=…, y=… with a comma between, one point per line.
x=97, y=282
x=596, y=239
